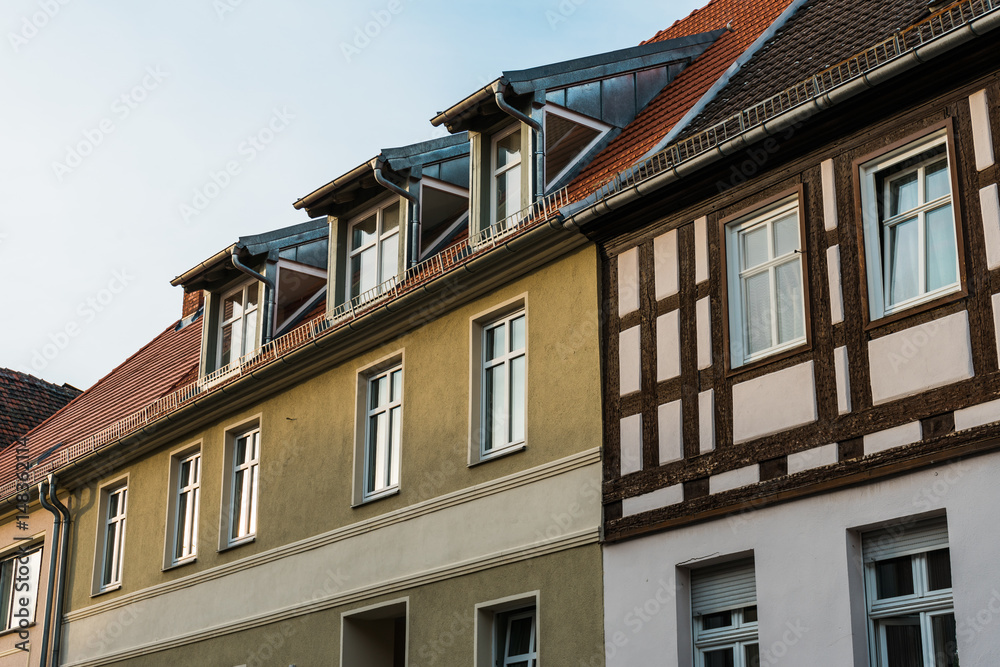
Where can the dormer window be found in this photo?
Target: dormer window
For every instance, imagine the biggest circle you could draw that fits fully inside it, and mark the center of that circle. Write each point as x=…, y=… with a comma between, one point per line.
x=238, y=325
x=444, y=210
x=568, y=137
x=374, y=249
x=506, y=189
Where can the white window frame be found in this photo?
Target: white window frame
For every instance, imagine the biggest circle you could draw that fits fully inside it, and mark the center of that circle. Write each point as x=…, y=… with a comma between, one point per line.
x=922, y=602
x=531, y=657
x=486, y=627
x=737, y=275
x=728, y=591
x=18, y=586
x=380, y=237
x=242, y=524
x=738, y=637
x=443, y=186
x=389, y=466
x=505, y=361
x=239, y=324
x=602, y=128
x=877, y=240
x=184, y=545
x=117, y=549
x=495, y=171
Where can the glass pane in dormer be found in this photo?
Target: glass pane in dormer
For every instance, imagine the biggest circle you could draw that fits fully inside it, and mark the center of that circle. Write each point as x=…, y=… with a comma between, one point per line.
x=508, y=149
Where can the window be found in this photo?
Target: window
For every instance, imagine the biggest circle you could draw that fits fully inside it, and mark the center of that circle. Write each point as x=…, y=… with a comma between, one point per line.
x=383, y=418
x=908, y=591
x=238, y=324
x=506, y=186
x=298, y=290
x=724, y=607
x=185, y=517
x=568, y=136
x=515, y=633
x=444, y=210
x=116, y=502
x=503, y=383
x=911, y=241
x=374, y=249
x=765, y=285
x=243, y=489
x=19, y=580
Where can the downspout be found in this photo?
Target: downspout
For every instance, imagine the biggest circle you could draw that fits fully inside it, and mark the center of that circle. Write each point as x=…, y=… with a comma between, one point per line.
x=43, y=490
x=414, y=249
x=498, y=93
x=61, y=575
x=269, y=312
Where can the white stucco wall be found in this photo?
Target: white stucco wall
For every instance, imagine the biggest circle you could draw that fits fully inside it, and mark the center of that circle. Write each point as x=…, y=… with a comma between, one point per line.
x=809, y=591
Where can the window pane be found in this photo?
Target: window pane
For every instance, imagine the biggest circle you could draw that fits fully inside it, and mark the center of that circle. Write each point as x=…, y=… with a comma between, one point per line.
x=185, y=476
x=241, y=450
x=750, y=615
x=496, y=421
x=517, y=334
x=392, y=456
x=758, y=315
x=904, y=262
x=113, y=505
x=942, y=259
x=508, y=186
x=719, y=658
x=564, y=141
x=181, y=525
x=372, y=473
x=937, y=183
x=508, y=149
x=894, y=577
x=237, y=503
x=232, y=307
x=755, y=247
x=903, y=194
x=397, y=386
x=791, y=313
x=939, y=570
x=390, y=218
x=902, y=642
x=390, y=259
x=495, y=342
x=252, y=297
x=249, y=334
x=109, y=553
x=363, y=272
x=517, y=399
x=364, y=232
x=751, y=655
x=945, y=641
x=6, y=584
x=519, y=639
x=786, y=235
x=722, y=619
x=226, y=345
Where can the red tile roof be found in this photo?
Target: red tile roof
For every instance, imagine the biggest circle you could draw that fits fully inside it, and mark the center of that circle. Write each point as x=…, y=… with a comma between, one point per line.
x=26, y=401
x=168, y=361
x=748, y=19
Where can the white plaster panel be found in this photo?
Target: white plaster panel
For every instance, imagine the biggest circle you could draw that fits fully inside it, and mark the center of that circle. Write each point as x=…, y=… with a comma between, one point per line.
x=668, y=346
x=706, y=421
x=703, y=317
x=734, y=479
x=906, y=434
x=670, y=495
x=773, y=403
x=989, y=202
x=629, y=355
x=836, y=285
x=977, y=415
x=920, y=358
x=671, y=427
x=829, y=195
x=804, y=551
x=816, y=457
x=666, y=266
x=701, y=249
x=631, y=444
x=628, y=282
x=448, y=537
x=841, y=368
x=996, y=320
x=982, y=136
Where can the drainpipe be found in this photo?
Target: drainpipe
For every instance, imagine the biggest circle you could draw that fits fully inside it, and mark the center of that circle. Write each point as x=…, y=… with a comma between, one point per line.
x=61, y=575
x=414, y=250
x=269, y=308
x=43, y=490
x=498, y=93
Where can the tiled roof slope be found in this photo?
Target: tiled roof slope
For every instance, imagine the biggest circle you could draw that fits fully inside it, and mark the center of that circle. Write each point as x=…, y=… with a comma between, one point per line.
x=748, y=19
x=161, y=365
x=25, y=401
x=820, y=34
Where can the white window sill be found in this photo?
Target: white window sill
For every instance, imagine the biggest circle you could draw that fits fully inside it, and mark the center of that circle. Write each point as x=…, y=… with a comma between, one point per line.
x=388, y=493
x=109, y=589
x=499, y=454
x=250, y=539
x=920, y=300
x=180, y=563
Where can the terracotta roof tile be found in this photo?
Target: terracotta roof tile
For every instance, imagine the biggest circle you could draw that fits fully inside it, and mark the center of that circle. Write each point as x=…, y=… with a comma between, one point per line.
x=748, y=19
x=26, y=401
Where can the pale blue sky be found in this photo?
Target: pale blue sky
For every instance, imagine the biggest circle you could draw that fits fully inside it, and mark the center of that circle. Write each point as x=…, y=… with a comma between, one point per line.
x=115, y=113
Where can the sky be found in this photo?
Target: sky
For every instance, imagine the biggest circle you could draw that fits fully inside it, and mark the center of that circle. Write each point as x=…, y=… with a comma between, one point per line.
x=138, y=139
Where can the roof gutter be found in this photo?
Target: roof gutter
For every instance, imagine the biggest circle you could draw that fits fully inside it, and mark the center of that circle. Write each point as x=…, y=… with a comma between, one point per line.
x=876, y=77
x=217, y=258
x=460, y=109
x=414, y=235
x=538, y=140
